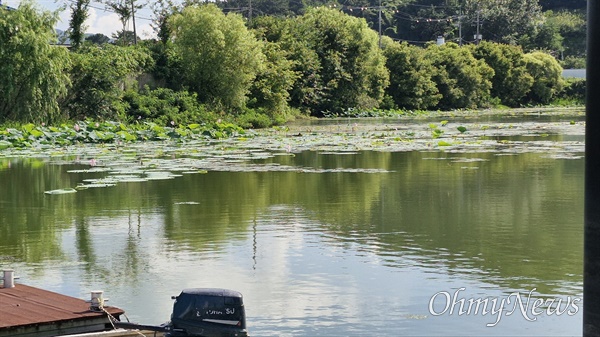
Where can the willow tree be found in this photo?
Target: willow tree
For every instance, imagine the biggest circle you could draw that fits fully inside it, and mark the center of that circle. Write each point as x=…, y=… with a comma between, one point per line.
x=220, y=57
x=33, y=72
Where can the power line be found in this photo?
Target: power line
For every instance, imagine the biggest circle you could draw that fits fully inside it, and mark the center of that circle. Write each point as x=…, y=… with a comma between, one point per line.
x=106, y=9
x=399, y=14
x=431, y=6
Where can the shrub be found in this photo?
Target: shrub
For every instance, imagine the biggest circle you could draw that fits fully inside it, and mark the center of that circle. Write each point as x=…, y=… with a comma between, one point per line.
x=511, y=81
x=99, y=74
x=253, y=119
x=573, y=90
x=219, y=56
x=411, y=84
x=463, y=81
x=547, y=77
x=572, y=62
x=165, y=107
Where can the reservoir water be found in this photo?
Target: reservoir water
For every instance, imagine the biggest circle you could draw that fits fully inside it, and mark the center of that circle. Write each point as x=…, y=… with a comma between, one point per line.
x=334, y=239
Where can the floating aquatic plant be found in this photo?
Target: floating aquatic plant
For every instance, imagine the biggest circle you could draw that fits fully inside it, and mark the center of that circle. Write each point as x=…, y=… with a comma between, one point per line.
x=30, y=135
x=437, y=133
x=167, y=153
x=62, y=191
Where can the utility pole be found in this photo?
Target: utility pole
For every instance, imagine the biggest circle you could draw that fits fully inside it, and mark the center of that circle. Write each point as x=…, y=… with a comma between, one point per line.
x=250, y=13
x=133, y=18
x=460, y=28
x=379, y=24
x=478, y=36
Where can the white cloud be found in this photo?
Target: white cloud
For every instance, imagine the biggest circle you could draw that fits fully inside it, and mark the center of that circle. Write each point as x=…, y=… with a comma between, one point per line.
x=104, y=23
x=63, y=20
x=107, y=23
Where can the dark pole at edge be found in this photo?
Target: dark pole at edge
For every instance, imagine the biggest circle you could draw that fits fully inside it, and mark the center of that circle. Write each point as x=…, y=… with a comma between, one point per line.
x=591, y=245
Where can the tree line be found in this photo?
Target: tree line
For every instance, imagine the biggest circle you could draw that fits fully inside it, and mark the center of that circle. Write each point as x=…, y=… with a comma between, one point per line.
x=556, y=26
x=208, y=65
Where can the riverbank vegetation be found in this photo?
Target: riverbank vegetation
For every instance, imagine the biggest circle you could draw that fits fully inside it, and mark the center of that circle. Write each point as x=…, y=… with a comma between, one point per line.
x=210, y=70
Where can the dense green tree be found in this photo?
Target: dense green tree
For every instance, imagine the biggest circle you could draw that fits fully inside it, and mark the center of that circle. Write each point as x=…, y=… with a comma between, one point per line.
x=572, y=62
x=430, y=19
x=167, y=66
x=125, y=37
x=545, y=36
x=307, y=90
x=563, y=4
x=219, y=56
x=99, y=75
x=573, y=90
x=463, y=81
x=79, y=13
x=98, y=38
x=272, y=28
x=271, y=88
x=368, y=10
x=351, y=67
x=32, y=70
x=326, y=60
x=511, y=80
x=268, y=7
x=497, y=20
x=166, y=63
x=505, y=20
x=411, y=85
x=547, y=77
x=572, y=28
x=258, y=8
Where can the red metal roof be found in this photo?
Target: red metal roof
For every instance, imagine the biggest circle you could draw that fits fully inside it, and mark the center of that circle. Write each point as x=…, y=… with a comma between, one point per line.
x=24, y=305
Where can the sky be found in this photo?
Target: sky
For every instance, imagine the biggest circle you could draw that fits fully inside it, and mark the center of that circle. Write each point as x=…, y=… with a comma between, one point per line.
x=100, y=20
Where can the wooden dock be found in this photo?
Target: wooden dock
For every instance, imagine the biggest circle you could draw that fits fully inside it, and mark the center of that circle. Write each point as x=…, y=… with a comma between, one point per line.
x=31, y=312
x=121, y=333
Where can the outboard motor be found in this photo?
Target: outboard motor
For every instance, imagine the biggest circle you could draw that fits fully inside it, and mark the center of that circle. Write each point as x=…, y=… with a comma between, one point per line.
x=202, y=312
x=208, y=312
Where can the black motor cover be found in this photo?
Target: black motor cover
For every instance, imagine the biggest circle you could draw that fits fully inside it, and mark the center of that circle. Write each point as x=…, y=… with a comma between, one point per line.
x=208, y=312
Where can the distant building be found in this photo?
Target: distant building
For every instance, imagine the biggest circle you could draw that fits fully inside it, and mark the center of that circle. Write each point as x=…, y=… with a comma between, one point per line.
x=573, y=73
